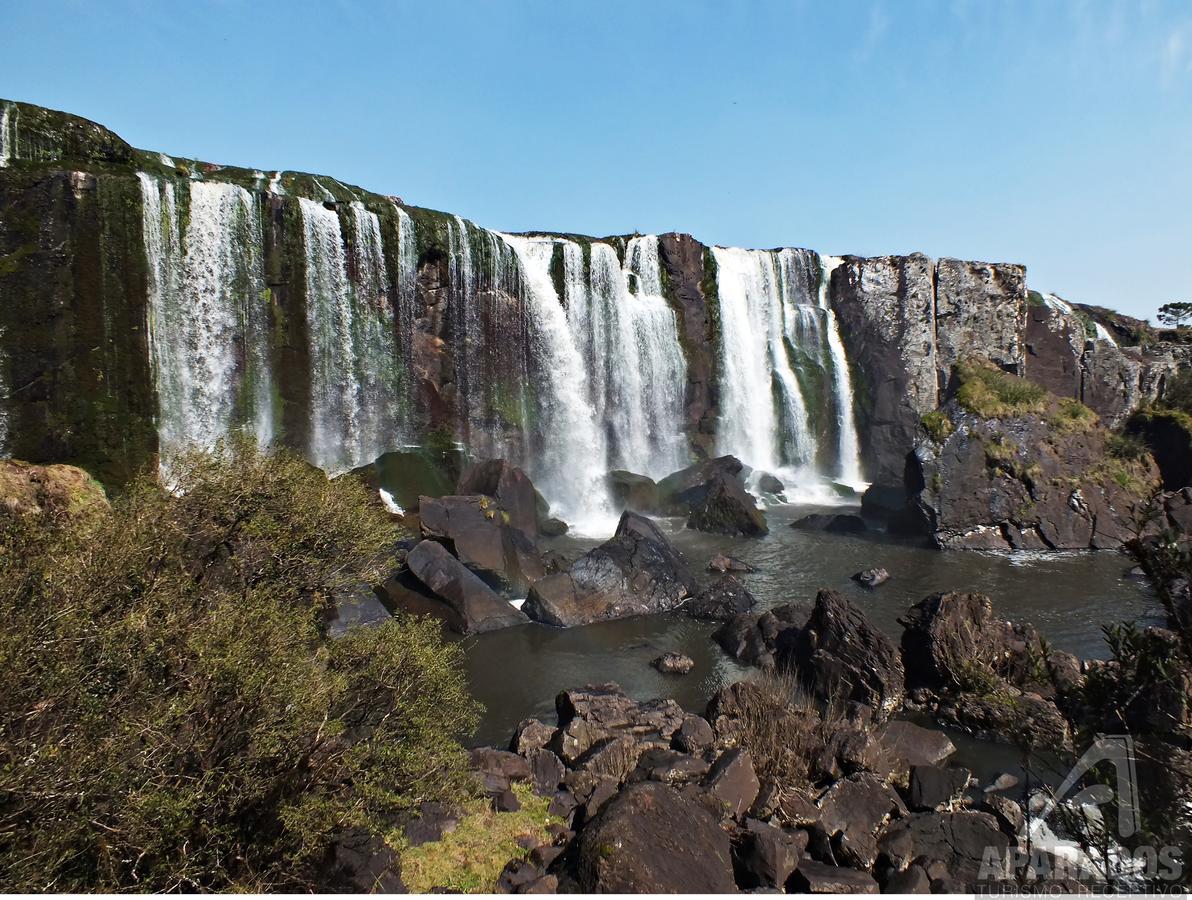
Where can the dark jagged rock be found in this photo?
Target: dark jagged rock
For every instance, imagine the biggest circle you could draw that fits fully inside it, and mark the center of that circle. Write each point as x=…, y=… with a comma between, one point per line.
x=673, y=663
x=597, y=713
x=510, y=487
x=834, y=523
x=649, y=839
x=770, y=484
x=958, y=840
x=354, y=606
x=852, y=811
x=681, y=491
x=531, y=734
x=840, y=655
x=721, y=601
x=484, y=536
x=635, y=572
x=362, y=863
x=765, y=855
x=430, y=823
x=753, y=638
x=911, y=880
x=872, y=578
x=733, y=781
x=727, y=508
x=634, y=492
x=476, y=607
x=501, y=762
x=954, y=642
x=669, y=767
x=546, y=771
x=517, y=876
x=694, y=735
x=906, y=744
x=934, y=787
x=813, y=877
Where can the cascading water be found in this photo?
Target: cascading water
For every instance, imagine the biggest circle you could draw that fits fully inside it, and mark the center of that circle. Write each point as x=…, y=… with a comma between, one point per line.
x=849, y=458
x=630, y=340
x=763, y=418
x=783, y=364
x=208, y=320
x=355, y=395
x=571, y=465
x=7, y=142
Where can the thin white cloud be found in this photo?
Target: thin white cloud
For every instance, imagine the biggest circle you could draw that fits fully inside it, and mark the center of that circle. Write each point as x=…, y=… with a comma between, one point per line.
x=875, y=31
x=1175, y=63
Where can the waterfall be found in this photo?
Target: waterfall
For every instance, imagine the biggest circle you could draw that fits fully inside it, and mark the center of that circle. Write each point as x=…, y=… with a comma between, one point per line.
x=849, y=457
x=208, y=320
x=638, y=370
x=354, y=383
x=571, y=465
x=7, y=144
x=785, y=379
x=763, y=418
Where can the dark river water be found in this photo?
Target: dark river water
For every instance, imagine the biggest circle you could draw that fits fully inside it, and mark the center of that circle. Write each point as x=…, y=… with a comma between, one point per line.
x=517, y=672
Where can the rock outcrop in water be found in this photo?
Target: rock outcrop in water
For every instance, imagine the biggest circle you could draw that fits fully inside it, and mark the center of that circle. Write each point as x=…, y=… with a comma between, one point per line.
x=1029, y=472
x=635, y=572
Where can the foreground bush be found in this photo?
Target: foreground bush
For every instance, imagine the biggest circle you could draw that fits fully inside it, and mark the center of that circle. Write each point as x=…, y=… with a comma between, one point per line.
x=173, y=719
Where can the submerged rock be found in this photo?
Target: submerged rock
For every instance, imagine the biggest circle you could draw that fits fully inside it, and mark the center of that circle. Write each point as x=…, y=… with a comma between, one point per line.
x=635, y=572
x=476, y=606
x=673, y=663
x=723, y=563
x=834, y=523
x=872, y=578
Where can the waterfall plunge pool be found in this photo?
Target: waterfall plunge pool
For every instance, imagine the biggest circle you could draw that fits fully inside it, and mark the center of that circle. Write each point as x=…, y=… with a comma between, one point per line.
x=516, y=673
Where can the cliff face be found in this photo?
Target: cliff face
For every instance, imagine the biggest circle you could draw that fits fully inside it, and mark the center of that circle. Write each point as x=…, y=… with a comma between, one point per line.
x=147, y=303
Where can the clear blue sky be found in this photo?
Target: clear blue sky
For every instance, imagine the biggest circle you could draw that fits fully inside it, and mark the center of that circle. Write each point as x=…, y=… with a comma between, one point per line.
x=1054, y=133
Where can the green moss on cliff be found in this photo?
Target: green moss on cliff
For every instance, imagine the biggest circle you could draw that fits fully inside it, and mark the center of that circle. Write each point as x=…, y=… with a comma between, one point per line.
x=985, y=390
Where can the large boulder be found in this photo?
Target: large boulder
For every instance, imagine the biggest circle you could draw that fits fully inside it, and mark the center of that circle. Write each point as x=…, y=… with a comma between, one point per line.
x=753, y=638
x=650, y=839
x=727, y=508
x=636, y=572
x=839, y=655
x=484, y=539
x=834, y=523
x=954, y=642
x=631, y=491
x=56, y=491
x=510, y=487
x=475, y=606
x=722, y=600
x=986, y=674
x=964, y=842
x=680, y=491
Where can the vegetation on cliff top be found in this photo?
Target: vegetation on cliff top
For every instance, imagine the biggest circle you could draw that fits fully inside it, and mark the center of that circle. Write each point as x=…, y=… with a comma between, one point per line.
x=985, y=390
x=174, y=719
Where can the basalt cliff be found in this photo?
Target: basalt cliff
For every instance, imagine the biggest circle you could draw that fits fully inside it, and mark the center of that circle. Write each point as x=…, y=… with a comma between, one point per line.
x=151, y=303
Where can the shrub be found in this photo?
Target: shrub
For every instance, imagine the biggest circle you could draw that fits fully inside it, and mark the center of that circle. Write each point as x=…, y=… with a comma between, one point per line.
x=1125, y=447
x=990, y=393
x=937, y=425
x=1072, y=415
x=781, y=727
x=173, y=718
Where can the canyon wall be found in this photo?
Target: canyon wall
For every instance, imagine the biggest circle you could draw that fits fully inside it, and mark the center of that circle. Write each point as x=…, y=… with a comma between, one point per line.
x=149, y=304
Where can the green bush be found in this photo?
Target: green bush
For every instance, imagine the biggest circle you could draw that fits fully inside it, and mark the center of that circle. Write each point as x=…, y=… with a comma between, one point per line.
x=937, y=425
x=987, y=391
x=173, y=718
x=1125, y=447
x=1072, y=415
